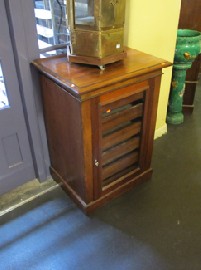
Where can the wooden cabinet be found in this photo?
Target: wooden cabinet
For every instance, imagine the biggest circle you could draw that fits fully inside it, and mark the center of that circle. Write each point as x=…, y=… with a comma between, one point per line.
x=100, y=124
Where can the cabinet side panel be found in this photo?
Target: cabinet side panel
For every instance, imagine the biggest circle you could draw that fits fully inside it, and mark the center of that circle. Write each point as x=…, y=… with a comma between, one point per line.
x=62, y=114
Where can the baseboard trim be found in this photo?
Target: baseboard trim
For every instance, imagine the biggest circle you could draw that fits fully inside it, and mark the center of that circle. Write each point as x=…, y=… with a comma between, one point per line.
x=160, y=132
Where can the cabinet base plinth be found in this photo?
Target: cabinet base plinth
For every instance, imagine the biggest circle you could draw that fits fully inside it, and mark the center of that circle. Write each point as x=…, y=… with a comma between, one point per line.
x=90, y=207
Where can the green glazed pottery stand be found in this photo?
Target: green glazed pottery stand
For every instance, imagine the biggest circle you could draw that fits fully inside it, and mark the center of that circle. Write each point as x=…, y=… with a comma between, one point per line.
x=187, y=48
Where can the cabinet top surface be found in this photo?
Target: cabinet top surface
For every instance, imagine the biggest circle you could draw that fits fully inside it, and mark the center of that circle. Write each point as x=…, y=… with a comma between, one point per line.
x=81, y=79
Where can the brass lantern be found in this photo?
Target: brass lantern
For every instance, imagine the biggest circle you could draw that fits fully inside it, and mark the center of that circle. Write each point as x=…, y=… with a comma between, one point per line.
x=96, y=30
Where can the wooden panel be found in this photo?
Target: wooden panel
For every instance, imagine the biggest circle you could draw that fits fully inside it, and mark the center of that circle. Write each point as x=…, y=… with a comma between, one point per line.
x=192, y=77
x=110, y=104
x=119, y=165
x=96, y=141
x=119, y=177
x=121, y=120
x=149, y=122
x=120, y=135
x=81, y=80
x=87, y=145
x=121, y=117
x=120, y=150
x=64, y=133
x=190, y=18
x=126, y=92
x=190, y=14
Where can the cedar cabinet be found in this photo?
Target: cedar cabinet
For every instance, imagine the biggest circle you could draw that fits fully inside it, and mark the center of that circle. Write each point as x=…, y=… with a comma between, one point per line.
x=100, y=124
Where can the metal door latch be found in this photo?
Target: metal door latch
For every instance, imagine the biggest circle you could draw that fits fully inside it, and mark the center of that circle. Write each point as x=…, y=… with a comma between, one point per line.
x=96, y=163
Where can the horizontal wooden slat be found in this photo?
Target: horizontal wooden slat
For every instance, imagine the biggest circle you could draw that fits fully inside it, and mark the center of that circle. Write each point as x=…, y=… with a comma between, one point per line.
x=118, y=175
x=119, y=165
x=120, y=150
x=123, y=92
x=122, y=117
x=121, y=135
x=122, y=101
x=111, y=112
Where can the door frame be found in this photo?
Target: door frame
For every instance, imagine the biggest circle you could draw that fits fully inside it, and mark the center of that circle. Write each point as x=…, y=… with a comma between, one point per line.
x=22, y=27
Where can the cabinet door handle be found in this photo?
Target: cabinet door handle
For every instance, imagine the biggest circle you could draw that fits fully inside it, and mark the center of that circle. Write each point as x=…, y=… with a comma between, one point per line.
x=96, y=163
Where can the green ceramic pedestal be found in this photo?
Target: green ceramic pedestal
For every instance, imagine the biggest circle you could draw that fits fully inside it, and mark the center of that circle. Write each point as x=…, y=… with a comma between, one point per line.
x=175, y=115
x=187, y=48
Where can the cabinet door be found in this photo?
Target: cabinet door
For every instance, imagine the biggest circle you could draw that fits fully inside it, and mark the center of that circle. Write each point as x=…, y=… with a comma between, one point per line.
x=120, y=124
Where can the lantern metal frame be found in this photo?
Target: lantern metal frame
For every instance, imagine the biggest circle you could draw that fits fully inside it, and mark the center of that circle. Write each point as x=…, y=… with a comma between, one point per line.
x=99, y=38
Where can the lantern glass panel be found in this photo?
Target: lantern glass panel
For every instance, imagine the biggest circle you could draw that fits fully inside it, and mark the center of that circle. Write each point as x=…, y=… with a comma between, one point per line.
x=84, y=12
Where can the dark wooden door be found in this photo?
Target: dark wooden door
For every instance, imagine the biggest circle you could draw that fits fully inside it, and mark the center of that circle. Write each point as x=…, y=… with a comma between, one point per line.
x=190, y=18
x=121, y=125
x=190, y=14
x=16, y=164
x=121, y=122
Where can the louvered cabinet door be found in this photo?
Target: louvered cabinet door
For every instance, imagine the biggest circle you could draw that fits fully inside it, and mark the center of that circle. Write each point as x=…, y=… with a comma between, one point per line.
x=120, y=120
